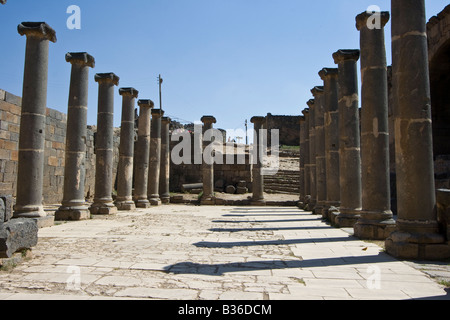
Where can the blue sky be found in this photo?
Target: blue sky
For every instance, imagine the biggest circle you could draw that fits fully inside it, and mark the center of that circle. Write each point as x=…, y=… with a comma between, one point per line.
x=233, y=59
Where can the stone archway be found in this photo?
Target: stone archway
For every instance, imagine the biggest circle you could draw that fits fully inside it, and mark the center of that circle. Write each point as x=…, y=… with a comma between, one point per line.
x=439, y=57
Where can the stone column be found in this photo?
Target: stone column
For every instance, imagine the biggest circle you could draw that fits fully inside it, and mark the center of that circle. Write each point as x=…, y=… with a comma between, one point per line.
x=417, y=235
x=330, y=78
x=124, y=200
x=32, y=127
x=305, y=150
x=376, y=221
x=207, y=168
x=155, y=158
x=349, y=143
x=73, y=204
x=143, y=154
x=302, y=195
x=312, y=155
x=321, y=175
x=258, y=178
x=103, y=202
x=164, y=178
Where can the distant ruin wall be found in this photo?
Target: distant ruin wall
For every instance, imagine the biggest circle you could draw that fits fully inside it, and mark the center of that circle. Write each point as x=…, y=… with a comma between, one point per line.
x=288, y=126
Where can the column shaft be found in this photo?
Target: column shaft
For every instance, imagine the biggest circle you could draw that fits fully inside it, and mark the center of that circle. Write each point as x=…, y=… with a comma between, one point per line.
x=376, y=221
x=306, y=152
x=417, y=235
x=321, y=175
x=143, y=154
x=258, y=152
x=312, y=155
x=155, y=158
x=302, y=162
x=349, y=143
x=207, y=168
x=74, y=205
x=103, y=202
x=164, y=187
x=330, y=78
x=124, y=200
x=32, y=127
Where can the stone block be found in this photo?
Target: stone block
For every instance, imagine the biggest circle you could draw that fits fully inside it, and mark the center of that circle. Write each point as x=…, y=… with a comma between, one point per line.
x=241, y=190
x=443, y=204
x=17, y=234
x=6, y=208
x=230, y=189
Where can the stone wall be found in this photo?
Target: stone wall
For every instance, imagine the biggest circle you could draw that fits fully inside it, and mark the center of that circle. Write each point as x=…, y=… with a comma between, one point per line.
x=55, y=139
x=289, y=127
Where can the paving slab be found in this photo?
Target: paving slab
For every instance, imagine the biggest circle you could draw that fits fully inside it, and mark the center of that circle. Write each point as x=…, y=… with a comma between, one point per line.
x=188, y=252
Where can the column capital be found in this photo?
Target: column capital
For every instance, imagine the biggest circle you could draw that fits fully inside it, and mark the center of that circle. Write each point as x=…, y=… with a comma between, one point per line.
x=208, y=119
x=129, y=91
x=311, y=103
x=166, y=120
x=105, y=77
x=328, y=72
x=317, y=90
x=305, y=112
x=82, y=58
x=37, y=29
x=346, y=54
x=157, y=113
x=361, y=19
x=258, y=120
x=146, y=103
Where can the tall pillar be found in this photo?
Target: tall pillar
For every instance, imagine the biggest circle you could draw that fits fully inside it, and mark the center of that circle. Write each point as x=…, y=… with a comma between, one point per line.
x=32, y=128
x=330, y=78
x=207, y=168
x=155, y=158
x=376, y=221
x=103, y=202
x=164, y=188
x=124, y=200
x=321, y=175
x=73, y=204
x=350, y=141
x=302, y=193
x=417, y=235
x=258, y=178
x=307, y=185
x=143, y=154
x=312, y=155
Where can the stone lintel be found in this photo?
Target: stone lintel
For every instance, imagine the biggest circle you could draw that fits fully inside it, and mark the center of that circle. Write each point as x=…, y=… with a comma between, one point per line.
x=258, y=119
x=328, y=72
x=361, y=19
x=82, y=58
x=208, y=119
x=107, y=77
x=346, y=54
x=129, y=91
x=317, y=90
x=37, y=29
x=146, y=103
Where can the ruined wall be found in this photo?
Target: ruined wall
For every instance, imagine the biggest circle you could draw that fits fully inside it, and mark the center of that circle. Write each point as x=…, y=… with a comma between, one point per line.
x=289, y=127
x=55, y=139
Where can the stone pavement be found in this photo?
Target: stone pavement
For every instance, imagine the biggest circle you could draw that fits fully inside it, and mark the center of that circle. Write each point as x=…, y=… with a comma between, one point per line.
x=215, y=253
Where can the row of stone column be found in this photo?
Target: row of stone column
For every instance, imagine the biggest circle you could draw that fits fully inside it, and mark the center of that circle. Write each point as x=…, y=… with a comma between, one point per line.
x=344, y=167
x=152, y=155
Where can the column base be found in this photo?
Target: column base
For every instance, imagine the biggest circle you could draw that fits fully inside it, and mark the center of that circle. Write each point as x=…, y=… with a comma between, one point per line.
x=318, y=209
x=72, y=214
x=374, y=230
x=126, y=205
x=258, y=203
x=404, y=245
x=29, y=211
x=155, y=202
x=347, y=218
x=144, y=204
x=208, y=201
x=103, y=208
x=165, y=200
